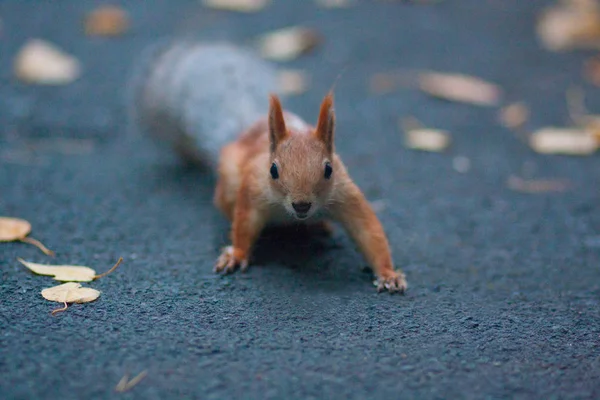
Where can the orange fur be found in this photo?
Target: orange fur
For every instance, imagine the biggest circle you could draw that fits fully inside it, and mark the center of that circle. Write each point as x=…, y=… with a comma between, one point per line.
x=251, y=198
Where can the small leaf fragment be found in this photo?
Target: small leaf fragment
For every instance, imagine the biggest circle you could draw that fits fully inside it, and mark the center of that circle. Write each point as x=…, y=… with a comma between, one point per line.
x=70, y=292
x=288, y=43
x=12, y=229
x=536, y=185
x=334, y=3
x=514, y=115
x=570, y=25
x=67, y=273
x=569, y=141
x=460, y=88
x=246, y=6
x=106, y=20
x=292, y=82
x=43, y=63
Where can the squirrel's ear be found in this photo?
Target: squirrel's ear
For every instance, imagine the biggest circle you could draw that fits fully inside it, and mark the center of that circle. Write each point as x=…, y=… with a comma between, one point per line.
x=277, y=130
x=326, y=123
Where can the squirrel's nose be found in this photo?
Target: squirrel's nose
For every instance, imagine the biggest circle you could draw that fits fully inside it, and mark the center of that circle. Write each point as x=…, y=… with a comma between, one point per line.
x=301, y=207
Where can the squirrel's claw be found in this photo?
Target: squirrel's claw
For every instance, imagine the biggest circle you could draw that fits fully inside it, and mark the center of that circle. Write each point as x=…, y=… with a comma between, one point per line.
x=227, y=262
x=393, y=284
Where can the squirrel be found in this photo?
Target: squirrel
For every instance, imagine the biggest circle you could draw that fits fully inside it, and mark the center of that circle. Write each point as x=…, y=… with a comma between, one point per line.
x=216, y=104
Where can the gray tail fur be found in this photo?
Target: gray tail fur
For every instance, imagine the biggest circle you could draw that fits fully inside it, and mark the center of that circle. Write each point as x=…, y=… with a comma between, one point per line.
x=198, y=96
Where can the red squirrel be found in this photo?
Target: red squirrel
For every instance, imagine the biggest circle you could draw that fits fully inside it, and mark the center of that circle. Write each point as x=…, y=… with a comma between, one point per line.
x=217, y=104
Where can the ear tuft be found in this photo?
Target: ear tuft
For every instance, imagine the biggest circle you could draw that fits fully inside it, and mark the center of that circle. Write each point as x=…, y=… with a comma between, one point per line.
x=326, y=123
x=277, y=129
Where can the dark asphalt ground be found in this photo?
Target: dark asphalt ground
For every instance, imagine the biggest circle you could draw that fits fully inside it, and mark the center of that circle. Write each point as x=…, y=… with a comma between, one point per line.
x=504, y=286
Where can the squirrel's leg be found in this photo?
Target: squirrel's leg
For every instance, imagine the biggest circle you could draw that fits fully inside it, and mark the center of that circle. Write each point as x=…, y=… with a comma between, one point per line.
x=361, y=223
x=248, y=222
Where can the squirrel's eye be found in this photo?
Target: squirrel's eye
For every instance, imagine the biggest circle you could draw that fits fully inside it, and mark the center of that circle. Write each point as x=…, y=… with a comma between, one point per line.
x=328, y=170
x=274, y=172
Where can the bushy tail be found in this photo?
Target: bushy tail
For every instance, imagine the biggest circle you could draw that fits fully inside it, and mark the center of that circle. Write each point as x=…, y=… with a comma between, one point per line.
x=198, y=96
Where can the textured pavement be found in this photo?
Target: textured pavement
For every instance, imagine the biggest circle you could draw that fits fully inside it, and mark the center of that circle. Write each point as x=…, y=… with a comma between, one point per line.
x=504, y=287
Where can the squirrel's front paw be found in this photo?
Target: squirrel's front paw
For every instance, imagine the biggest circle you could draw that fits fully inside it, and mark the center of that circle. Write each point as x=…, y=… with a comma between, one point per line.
x=395, y=282
x=230, y=258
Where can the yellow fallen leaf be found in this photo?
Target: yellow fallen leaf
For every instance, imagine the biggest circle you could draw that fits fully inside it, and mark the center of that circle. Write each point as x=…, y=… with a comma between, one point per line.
x=461, y=88
x=536, y=185
x=292, y=82
x=107, y=21
x=514, y=115
x=65, y=273
x=427, y=139
x=417, y=137
x=237, y=5
x=287, y=43
x=569, y=25
x=16, y=229
x=70, y=292
x=12, y=229
x=570, y=141
x=43, y=63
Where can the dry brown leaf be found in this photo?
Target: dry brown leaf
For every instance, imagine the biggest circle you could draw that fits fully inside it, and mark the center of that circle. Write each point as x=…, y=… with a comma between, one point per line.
x=334, y=3
x=461, y=88
x=570, y=141
x=107, y=20
x=514, y=115
x=16, y=229
x=237, y=5
x=70, y=292
x=569, y=25
x=288, y=43
x=536, y=185
x=67, y=273
x=125, y=384
x=41, y=62
x=292, y=82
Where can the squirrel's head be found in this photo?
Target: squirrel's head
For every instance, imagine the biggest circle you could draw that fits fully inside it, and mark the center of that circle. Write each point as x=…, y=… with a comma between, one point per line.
x=301, y=164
